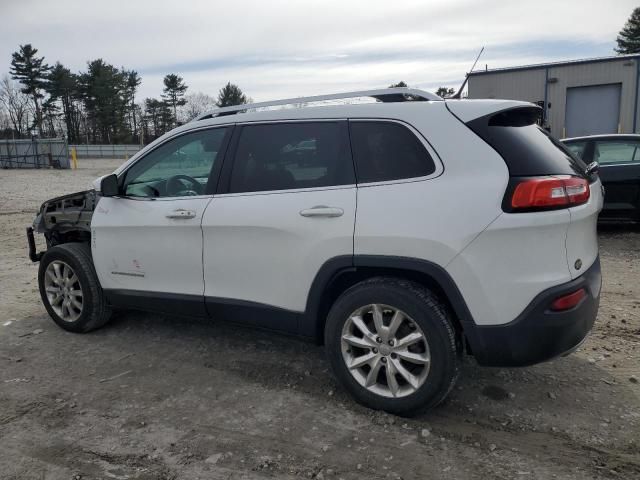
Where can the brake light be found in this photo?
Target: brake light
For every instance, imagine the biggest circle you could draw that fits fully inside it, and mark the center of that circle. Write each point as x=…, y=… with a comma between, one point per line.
x=568, y=301
x=550, y=192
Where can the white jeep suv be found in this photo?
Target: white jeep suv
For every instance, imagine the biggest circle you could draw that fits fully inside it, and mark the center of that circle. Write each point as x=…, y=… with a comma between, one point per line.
x=402, y=233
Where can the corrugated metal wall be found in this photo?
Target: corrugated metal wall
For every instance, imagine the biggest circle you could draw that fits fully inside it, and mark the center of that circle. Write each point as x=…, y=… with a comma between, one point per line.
x=528, y=85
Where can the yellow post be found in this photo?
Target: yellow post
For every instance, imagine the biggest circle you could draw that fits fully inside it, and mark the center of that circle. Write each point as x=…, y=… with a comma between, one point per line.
x=74, y=158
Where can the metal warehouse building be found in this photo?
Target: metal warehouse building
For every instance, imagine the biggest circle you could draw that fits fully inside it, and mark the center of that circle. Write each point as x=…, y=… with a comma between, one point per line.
x=580, y=97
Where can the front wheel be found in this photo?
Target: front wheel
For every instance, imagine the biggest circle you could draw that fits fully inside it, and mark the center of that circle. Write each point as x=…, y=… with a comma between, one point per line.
x=391, y=344
x=70, y=290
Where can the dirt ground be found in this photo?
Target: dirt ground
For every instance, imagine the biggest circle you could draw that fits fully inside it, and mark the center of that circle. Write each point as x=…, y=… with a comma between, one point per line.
x=153, y=397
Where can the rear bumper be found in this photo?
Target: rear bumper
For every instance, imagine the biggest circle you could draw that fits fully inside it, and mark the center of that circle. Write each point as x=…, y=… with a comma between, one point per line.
x=539, y=334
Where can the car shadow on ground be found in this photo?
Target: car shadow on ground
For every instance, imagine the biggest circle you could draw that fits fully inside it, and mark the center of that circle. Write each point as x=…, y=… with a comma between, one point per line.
x=566, y=388
x=196, y=386
x=610, y=228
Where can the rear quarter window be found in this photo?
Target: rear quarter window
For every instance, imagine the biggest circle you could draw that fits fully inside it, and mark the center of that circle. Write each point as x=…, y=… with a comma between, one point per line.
x=385, y=151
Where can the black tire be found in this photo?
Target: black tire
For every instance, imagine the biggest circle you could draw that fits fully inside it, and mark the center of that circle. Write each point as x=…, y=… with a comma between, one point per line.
x=428, y=312
x=95, y=312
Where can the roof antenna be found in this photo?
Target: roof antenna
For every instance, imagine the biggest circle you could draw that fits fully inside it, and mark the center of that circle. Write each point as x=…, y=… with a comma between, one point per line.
x=458, y=94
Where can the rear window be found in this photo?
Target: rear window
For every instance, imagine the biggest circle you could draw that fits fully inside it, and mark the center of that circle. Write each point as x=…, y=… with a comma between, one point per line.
x=527, y=149
x=388, y=151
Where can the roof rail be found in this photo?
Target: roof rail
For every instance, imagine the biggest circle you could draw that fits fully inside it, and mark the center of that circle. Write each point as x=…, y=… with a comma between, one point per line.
x=398, y=94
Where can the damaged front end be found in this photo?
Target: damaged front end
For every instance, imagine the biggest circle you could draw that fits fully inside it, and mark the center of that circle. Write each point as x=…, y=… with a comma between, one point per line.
x=63, y=219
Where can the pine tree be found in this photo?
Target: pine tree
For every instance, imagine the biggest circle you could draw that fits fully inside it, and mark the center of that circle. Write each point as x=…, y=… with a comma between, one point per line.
x=174, y=90
x=62, y=86
x=230, y=95
x=157, y=115
x=629, y=37
x=400, y=84
x=133, y=81
x=102, y=88
x=31, y=72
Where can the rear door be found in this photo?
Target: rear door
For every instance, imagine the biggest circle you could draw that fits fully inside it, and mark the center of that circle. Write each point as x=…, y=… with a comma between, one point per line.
x=147, y=241
x=286, y=206
x=619, y=160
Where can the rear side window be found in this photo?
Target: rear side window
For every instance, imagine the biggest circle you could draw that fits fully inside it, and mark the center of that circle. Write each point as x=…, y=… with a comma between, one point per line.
x=624, y=151
x=284, y=156
x=527, y=149
x=388, y=151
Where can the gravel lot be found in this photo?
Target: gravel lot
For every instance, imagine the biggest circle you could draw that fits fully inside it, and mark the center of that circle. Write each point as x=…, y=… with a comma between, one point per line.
x=153, y=397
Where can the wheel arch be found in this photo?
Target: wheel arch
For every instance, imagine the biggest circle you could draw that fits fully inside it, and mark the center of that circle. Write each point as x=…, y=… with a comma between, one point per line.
x=340, y=273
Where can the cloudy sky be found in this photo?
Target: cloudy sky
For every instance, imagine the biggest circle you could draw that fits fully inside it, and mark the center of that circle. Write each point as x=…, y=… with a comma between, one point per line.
x=276, y=48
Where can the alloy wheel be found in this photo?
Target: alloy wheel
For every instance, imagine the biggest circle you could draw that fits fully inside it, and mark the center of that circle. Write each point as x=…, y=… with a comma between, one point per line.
x=385, y=350
x=63, y=291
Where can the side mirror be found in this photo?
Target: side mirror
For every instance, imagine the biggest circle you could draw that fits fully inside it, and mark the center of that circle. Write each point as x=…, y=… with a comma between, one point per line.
x=109, y=186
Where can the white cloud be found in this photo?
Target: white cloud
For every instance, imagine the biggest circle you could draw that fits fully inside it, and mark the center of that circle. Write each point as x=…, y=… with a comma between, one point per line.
x=288, y=48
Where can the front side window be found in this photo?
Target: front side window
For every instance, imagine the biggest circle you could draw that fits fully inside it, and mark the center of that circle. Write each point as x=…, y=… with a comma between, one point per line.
x=284, y=156
x=178, y=168
x=623, y=151
x=388, y=151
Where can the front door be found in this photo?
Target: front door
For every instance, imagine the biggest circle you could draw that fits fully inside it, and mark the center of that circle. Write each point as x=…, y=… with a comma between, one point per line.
x=619, y=161
x=286, y=207
x=147, y=242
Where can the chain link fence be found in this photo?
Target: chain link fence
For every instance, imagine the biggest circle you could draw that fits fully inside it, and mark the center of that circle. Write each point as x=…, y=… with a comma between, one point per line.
x=36, y=153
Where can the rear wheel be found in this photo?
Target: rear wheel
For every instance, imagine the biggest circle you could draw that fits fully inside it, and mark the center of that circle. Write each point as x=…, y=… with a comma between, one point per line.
x=70, y=290
x=391, y=344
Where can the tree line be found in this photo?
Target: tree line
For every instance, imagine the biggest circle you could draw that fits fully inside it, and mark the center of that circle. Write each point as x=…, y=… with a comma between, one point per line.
x=98, y=105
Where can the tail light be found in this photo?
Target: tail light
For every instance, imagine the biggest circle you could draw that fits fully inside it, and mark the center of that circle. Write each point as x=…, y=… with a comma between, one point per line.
x=543, y=193
x=569, y=301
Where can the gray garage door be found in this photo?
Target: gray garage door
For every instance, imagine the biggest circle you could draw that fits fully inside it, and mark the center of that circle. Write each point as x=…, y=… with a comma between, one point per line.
x=593, y=110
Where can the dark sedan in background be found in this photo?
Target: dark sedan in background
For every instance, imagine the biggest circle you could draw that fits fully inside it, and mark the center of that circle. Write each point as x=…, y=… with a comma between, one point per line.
x=619, y=160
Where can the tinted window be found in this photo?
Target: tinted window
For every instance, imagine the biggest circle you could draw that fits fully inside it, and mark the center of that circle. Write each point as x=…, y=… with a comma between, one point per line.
x=283, y=156
x=527, y=149
x=617, y=152
x=577, y=148
x=388, y=151
x=177, y=168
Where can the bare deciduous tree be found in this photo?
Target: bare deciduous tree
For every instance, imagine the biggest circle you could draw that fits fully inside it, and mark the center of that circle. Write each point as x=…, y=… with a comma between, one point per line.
x=15, y=104
x=195, y=104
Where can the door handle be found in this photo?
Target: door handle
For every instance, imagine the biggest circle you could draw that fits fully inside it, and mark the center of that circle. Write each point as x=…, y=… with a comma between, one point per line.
x=322, y=211
x=181, y=214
